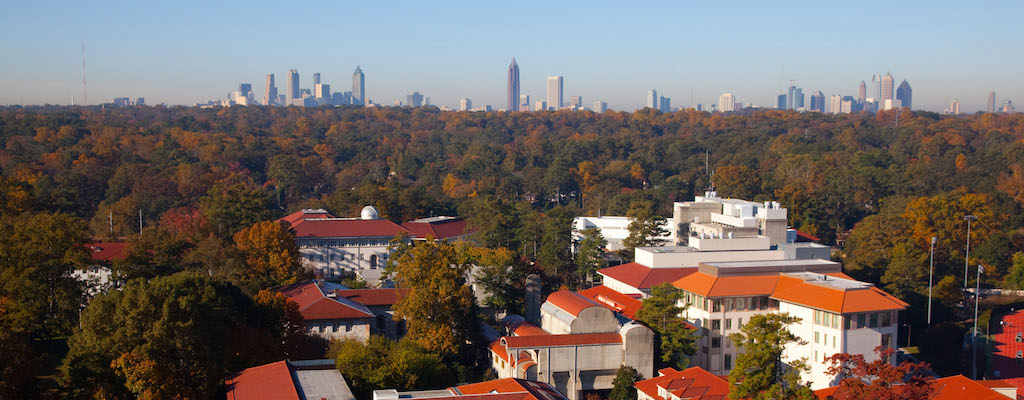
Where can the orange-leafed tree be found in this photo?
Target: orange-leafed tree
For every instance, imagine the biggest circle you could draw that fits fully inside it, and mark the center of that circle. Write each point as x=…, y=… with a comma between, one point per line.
x=271, y=255
x=878, y=379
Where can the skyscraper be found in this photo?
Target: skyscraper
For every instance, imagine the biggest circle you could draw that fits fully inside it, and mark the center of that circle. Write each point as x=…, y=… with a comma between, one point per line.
x=358, y=87
x=244, y=88
x=835, y=106
x=726, y=102
x=270, y=96
x=465, y=104
x=876, y=87
x=798, y=98
x=904, y=94
x=818, y=101
x=862, y=93
x=789, y=97
x=600, y=106
x=887, y=86
x=576, y=102
x=954, y=107
x=414, y=99
x=781, y=103
x=316, y=79
x=991, y=101
x=293, y=88
x=524, y=102
x=665, y=104
x=322, y=91
x=513, y=86
x=652, y=99
x=556, y=85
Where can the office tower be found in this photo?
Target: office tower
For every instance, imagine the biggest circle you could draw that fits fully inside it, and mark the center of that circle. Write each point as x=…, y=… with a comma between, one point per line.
x=862, y=92
x=465, y=104
x=652, y=99
x=600, y=106
x=726, y=102
x=798, y=99
x=887, y=87
x=316, y=78
x=426, y=101
x=524, y=102
x=321, y=91
x=576, y=102
x=540, y=106
x=304, y=93
x=141, y=101
x=781, y=103
x=835, y=105
x=818, y=101
x=790, y=95
x=358, y=87
x=293, y=88
x=513, y=86
x=991, y=102
x=556, y=85
x=954, y=107
x=904, y=94
x=665, y=104
x=847, y=104
x=414, y=99
x=244, y=89
x=1008, y=106
x=270, y=95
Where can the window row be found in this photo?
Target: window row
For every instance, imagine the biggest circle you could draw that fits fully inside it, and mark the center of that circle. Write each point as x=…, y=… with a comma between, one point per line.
x=715, y=325
x=825, y=318
x=731, y=304
x=869, y=320
x=344, y=243
x=330, y=327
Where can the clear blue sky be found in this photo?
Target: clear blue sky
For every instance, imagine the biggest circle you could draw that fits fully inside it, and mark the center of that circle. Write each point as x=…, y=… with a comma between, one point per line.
x=181, y=52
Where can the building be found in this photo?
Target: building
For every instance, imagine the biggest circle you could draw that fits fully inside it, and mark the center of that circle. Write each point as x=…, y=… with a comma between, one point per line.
x=465, y=104
x=726, y=102
x=294, y=93
x=956, y=387
x=835, y=105
x=122, y=102
x=954, y=107
x=327, y=315
x=904, y=94
x=513, y=86
x=1008, y=106
x=556, y=85
x=862, y=92
x=690, y=384
x=887, y=87
x=540, y=106
x=652, y=99
x=616, y=229
x=818, y=101
x=798, y=99
x=848, y=105
x=359, y=87
x=322, y=91
x=578, y=347
x=498, y=389
x=524, y=102
x=414, y=99
x=838, y=314
x=781, y=102
x=991, y=102
x=96, y=278
x=600, y=106
x=576, y=102
x=270, y=95
x=289, y=380
x=665, y=104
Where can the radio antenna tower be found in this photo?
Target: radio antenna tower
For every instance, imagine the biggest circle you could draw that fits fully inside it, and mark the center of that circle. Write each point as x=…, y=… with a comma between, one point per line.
x=85, y=91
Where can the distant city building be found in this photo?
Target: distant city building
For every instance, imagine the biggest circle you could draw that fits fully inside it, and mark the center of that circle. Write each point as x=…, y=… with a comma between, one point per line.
x=991, y=102
x=141, y=101
x=524, y=102
x=835, y=105
x=818, y=101
x=540, y=106
x=726, y=102
x=245, y=89
x=465, y=104
x=294, y=98
x=904, y=94
x=600, y=106
x=876, y=87
x=954, y=107
x=665, y=104
x=798, y=98
x=781, y=103
x=1008, y=106
x=426, y=101
x=316, y=78
x=862, y=92
x=576, y=102
x=652, y=99
x=122, y=102
x=556, y=86
x=848, y=105
x=414, y=99
x=359, y=87
x=790, y=96
x=887, y=87
x=270, y=95
x=322, y=91
x=513, y=86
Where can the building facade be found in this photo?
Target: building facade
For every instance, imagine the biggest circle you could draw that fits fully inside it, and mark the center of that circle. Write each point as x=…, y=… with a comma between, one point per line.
x=513, y=86
x=556, y=87
x=358, y=87
x=294, y=98
x=905, y=95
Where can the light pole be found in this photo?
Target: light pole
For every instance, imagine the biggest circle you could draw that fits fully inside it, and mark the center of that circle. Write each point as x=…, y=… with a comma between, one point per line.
x=974, y=334
x=967, y=257
x=931, y=272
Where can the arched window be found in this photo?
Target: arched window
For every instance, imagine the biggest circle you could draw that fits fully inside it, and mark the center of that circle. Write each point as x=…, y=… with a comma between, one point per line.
x=373, y=261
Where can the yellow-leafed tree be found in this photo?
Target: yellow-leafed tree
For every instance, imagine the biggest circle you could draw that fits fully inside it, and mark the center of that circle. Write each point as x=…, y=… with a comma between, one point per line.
x=271, y=255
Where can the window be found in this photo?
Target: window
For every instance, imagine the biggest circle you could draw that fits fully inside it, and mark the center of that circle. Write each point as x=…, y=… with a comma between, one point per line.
x=716, y=306
x=728, y=323
x=835, y=321
x=728, y=361
x=817, y=317
x=886, y=318
x=886, y=340
x=739, y=305
x=716, y=342
x=874, y=320
x=373, y=261
x=716, y=324
x=728, y=305
x=348, y=326
x=1019, y=337
x=862, y=320
x=739, y=322
x=816, y=337
x=833, y=342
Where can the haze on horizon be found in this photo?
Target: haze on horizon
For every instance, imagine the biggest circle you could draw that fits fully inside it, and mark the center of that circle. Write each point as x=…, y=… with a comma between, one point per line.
x=191, y=51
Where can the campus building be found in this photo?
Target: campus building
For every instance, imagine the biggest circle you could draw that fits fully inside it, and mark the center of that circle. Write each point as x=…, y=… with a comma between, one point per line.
x=335, y=312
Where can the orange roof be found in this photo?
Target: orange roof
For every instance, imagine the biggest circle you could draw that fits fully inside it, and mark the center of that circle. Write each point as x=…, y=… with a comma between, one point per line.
x=499, y=349
x=710, y=286
x=345, y=228
x=577, y=339
x=527, y=329
x=270, y=381
x=373, y=297
x=840, y=301
x=642, y=277
x=612, y=300
x=296, y=217
x=571, y=302
x=692, y=383
x=529, y=389
x=313, y=305
x=438, y=227
x=955, y=387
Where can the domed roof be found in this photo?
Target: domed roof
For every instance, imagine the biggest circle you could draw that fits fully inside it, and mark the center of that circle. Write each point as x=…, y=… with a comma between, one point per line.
x=369, y=213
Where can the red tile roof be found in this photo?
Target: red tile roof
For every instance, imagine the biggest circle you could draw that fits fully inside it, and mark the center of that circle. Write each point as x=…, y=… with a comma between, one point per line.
x=802, y=237
x=577, y=339
x=270, y=381
x=532, y=390
x=726, y=286
x=314, y=305
x=108, y=251
x=1004, y=333
x=439, y=229
x=840, y=301
x=528, y=329
x=612, y=300
x=693, y=383
x=957, y=387
x=346, y=228
x=643, y=277
x=373, y=297
x=296, y=217
x=571, y=302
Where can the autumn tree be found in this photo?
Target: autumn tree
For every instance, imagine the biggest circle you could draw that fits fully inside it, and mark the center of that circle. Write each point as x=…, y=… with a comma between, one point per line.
x=1015, y=277
x=383, y=363
x=271, y=255
x=737, y=181
x=622, y=385
x=761, y=373
x=879, y=379
x=661, y=312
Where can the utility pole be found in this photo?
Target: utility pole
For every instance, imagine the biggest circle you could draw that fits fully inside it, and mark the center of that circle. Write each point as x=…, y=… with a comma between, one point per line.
x=967, y=257
x=931, y=273
x=974, y=335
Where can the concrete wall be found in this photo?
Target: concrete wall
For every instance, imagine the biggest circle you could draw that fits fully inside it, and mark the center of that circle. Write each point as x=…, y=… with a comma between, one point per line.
x=358, y=329
x=331, y=261
x=667, y=258
x=638, y=348
x=595, y=320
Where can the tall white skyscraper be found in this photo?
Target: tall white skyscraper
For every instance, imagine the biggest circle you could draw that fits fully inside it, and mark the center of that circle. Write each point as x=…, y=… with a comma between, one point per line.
x=888, y=84
x=293, y=88
x=652, y=99
x=954, y=107
x=321, y=91
x=414, y=99
x=513, y=86
x=358, y=87
x=524, y=102
x=600, y=106
x=726, y=102
x=270, y=96
x=465, y=104
x=991, y=102
x=556, y=87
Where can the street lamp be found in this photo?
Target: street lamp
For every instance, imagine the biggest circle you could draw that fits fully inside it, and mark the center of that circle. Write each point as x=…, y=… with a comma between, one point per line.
x=931, y=271
x=974, y=335
x=967, y=257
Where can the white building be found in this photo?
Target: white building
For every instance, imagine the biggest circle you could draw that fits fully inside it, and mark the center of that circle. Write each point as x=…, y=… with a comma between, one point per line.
x=465, y=104
x=616, y=229
x=726, y=102
x=837, y=314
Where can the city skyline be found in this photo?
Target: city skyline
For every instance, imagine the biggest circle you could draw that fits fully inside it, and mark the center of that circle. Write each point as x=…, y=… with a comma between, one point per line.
x=171, y=62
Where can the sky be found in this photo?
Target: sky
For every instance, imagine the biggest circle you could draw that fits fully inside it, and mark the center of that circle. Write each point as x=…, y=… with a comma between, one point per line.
x=183, y=52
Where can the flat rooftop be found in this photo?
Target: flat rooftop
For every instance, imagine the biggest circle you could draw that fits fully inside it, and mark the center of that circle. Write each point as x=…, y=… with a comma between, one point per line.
x=769, y=267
